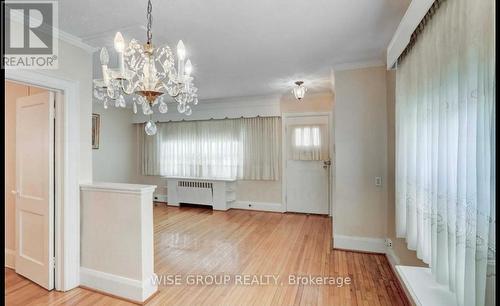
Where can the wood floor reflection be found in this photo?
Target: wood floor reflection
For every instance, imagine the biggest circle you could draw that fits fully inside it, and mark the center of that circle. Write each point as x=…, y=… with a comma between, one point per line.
x=196, y=241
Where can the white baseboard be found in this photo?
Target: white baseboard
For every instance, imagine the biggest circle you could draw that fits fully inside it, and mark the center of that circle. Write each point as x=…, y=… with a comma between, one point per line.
x=365, y=244
x=263, y=206
x=392, y=257
x=376, y=245
x=120, y=286
x=10, y=258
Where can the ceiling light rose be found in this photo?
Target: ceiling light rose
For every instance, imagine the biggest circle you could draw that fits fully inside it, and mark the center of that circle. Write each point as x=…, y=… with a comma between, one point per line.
x=299, y=91
x=146, y=73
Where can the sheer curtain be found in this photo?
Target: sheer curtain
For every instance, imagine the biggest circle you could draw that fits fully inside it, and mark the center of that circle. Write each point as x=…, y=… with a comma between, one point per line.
x=260, y=142
x=308, y=142
x=445, y=149
x=246, y=148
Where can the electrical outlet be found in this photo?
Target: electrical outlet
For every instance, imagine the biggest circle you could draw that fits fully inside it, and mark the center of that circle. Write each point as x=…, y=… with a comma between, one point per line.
x=388, y=243
x=160, y=198
x=378, y=181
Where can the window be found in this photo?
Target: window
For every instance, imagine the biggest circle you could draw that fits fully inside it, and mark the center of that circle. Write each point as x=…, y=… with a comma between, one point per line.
x=445, y=149
x=307, y=142
x=307, y=137
x=246, y=148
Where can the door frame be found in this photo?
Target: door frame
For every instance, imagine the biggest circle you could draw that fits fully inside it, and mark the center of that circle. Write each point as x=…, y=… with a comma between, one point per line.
x=67, y=152
x=284, y=120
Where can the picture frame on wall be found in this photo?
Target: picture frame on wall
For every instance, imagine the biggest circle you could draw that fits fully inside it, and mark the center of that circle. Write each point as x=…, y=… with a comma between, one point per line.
x=96, y=126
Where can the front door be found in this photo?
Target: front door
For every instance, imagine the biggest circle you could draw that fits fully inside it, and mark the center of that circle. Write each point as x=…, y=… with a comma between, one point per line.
x=307, y=164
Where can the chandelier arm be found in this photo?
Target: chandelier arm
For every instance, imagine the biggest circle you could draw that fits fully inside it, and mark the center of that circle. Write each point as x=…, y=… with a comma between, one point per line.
x=122, y=87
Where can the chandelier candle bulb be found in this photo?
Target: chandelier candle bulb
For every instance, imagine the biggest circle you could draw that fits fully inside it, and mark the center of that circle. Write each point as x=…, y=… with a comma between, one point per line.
x=181, y=54
x=189, y=67
x=181, y=50
x=119, y=47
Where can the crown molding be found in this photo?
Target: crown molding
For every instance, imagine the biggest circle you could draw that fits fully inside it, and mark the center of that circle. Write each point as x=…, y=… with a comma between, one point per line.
x=358, y=65
x=76, y=41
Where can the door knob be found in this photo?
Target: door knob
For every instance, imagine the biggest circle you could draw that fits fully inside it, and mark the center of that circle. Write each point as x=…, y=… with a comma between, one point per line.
x=326, y=164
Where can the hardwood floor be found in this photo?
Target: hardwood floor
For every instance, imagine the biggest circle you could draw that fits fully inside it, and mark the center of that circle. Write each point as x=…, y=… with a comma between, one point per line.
x=191, y=241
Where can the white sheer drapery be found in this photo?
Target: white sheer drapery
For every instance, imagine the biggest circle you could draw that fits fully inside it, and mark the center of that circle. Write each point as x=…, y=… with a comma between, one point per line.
x=245, y=148
x=445, y=149
x=308, y=142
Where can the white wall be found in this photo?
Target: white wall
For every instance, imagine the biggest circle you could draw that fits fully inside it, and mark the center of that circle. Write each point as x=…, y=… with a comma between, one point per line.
x=75, y=64
x=364, y=214
x=119, y=260
x=361, y=153
x=115, y=160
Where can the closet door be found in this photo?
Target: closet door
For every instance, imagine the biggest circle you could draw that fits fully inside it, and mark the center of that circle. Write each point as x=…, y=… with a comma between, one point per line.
x=35, y=188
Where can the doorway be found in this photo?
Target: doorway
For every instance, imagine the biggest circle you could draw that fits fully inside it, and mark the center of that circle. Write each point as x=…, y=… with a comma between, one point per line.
x=30, y=181
x=306, y=162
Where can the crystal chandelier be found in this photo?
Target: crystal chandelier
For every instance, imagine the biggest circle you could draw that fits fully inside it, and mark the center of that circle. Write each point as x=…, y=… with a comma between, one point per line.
x=299, y=91
x=146, y=73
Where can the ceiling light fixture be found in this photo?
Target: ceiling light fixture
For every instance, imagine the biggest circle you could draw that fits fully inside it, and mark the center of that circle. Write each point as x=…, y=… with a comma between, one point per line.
x=146, y=73
x=299, y=91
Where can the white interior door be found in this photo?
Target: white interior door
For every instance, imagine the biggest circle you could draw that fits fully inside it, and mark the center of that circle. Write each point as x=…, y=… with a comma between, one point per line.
x=35, y=188
x=307, y=183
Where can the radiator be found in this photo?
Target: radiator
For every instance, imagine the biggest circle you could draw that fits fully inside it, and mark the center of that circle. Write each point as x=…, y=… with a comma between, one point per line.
x=195, y=192
x=218, y=193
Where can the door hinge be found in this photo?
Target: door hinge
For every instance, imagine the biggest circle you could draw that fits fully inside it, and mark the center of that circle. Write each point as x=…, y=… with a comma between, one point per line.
x=53, y=263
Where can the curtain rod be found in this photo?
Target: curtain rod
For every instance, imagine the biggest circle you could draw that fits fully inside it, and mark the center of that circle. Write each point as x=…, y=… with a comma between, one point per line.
x=209, y=119
x=419, y=30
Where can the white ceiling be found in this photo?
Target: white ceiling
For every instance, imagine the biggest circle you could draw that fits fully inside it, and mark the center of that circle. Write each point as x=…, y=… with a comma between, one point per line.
x=243, y=47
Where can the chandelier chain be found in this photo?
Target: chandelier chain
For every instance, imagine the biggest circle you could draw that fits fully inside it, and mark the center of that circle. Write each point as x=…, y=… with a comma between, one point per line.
x=150, y=21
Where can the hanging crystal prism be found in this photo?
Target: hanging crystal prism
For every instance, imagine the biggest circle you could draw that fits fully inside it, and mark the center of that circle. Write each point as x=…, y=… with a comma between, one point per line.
x=188, y=111
x=181, y=108
x=150, y=127
x=163, y=108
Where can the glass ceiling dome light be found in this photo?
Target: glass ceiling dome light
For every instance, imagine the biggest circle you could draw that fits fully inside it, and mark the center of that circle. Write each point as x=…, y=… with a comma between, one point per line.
x=299, y=91
x=148, y=74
